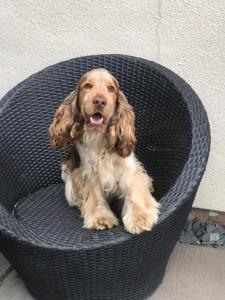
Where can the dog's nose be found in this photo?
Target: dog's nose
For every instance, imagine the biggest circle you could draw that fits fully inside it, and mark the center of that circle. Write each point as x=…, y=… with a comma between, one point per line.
x=99, y=102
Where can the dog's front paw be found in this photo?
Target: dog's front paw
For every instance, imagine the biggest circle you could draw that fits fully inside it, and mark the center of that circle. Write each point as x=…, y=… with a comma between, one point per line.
x=100, y=220
x=140, y=220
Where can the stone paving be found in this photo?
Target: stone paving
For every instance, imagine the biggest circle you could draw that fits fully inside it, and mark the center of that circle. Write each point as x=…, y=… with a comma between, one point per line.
x=203, y=234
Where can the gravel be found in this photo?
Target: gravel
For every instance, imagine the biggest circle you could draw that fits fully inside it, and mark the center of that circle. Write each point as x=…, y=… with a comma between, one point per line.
x=221, y=242
x=196, y=227
x=198, y=233
x=214, y=237
x=220, y=229
x=205, y=237
x=210, y=228
x=188, y=238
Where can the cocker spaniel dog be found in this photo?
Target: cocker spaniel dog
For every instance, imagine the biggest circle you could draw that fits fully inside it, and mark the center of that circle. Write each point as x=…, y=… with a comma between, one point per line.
x=98, y=121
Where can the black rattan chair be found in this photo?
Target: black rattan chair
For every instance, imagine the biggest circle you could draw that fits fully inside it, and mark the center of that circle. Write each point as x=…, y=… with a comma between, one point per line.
x=42, y=237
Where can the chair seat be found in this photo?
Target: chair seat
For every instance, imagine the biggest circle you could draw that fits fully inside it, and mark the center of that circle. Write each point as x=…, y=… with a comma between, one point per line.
x=48, y=213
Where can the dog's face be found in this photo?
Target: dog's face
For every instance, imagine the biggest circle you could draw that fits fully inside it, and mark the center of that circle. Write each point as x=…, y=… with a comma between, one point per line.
x=98, y=92
x=96, y=104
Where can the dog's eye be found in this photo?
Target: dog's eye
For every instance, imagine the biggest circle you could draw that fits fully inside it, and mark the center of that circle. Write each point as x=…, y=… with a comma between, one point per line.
x=111, y=88
x=88, y=86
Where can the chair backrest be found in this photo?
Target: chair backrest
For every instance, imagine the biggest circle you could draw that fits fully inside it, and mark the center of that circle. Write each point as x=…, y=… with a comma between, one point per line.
x=163, y=123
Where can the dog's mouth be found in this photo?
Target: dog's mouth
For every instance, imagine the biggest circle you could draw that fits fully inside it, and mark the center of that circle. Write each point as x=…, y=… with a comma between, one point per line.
x=96, y=119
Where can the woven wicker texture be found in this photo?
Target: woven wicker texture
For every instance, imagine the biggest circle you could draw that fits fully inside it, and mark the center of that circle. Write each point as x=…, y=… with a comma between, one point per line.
x=44, y=240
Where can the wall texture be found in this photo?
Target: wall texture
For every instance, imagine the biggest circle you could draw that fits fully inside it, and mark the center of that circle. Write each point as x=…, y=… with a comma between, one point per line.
x=184, y=35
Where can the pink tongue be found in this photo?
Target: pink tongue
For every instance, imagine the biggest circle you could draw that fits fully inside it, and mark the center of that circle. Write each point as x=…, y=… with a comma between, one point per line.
x=95, y=120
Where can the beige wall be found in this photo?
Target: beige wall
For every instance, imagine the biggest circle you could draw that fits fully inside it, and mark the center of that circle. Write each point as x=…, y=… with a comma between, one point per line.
x=187, y=36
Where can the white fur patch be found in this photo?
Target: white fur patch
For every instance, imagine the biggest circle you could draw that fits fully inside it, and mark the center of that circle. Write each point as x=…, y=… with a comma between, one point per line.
x=70, y=197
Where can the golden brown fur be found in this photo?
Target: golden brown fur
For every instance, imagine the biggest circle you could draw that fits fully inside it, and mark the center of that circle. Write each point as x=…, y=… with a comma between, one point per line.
x=98, y=121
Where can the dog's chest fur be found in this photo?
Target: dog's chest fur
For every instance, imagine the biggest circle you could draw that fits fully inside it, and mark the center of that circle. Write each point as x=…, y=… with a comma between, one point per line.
x=112, y=171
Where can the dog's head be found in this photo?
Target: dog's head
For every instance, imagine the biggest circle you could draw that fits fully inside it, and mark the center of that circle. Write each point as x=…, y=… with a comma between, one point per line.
x=97, y=104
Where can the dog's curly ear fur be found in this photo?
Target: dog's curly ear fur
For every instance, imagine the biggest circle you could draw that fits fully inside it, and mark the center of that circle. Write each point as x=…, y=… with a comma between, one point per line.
x=66, y=124
x=121, y=132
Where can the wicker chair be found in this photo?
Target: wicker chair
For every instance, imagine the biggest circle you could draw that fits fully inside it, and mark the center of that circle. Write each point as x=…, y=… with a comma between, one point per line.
x=42, y=237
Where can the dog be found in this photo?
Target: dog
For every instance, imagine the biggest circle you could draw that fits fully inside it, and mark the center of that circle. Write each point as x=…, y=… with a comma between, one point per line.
x=99, y=123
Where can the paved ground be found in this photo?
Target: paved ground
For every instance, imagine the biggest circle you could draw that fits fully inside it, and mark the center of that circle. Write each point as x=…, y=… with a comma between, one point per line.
x=193, y=273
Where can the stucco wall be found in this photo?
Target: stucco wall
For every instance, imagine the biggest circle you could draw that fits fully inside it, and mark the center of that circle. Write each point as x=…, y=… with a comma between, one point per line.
x=187, y=36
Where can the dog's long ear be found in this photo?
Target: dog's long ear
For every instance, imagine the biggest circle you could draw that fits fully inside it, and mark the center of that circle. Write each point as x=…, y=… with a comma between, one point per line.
x=121, y=132
x=66, y=124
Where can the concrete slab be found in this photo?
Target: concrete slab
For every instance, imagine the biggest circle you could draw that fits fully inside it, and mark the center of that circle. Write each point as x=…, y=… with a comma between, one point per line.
x=13, y=289
x=4, y=265
x=193, y=273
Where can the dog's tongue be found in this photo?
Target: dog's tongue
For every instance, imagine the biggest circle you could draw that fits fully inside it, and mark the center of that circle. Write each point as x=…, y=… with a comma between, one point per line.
x=96, y=119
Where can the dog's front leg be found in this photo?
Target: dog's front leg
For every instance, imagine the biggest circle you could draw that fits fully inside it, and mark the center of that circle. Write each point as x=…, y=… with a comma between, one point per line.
x=140, y=210
x=95, y=210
